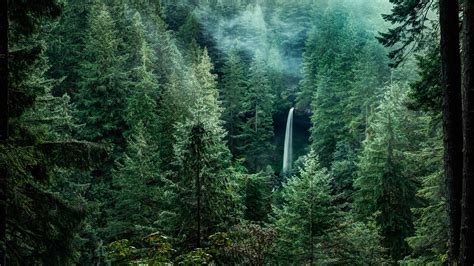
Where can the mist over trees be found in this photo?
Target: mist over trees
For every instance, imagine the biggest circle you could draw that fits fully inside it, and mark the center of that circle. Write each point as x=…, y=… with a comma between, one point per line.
x=152, y=132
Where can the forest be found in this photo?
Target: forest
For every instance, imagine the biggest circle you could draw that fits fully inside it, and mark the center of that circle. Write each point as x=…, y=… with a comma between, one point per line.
x=236, y=132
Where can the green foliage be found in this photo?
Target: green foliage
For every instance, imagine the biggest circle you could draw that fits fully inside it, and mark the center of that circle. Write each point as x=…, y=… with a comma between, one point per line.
x=101, y=84
x=409, y=19
x=429, y=243
x=40, y=149
x=385, y=182
x=251, y=243
x=192, y=134
x=342, y=73
x=256, y=131
x=198, y=256
x=203, y=200
x=258, y=196
x=426, y=92
x=233, y=86
x=120, y=249
x=153, y=250
x=303, y=221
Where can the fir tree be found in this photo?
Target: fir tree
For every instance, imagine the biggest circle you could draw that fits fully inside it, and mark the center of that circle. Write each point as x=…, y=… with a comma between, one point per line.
x=256, y=133
x=102, y=91
x=385, y=185
x=137, y=180
x=233, y=86
x=39, y=149
x=203, y=198
x=258, y=196
x=302, y=222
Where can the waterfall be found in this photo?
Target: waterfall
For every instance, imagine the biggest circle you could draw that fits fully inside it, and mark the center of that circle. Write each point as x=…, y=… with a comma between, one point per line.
x=288, y=151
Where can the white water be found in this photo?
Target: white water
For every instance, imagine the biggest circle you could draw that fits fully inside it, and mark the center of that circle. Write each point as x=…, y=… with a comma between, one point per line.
x=288, y=151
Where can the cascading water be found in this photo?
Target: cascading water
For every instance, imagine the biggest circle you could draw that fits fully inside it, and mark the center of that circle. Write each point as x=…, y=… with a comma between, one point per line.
x=288, y=151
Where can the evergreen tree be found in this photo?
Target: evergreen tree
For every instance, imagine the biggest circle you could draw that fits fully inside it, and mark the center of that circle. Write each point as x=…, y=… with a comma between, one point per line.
x=258, y=196
x=330, y=64
x=233, y=86
x=100, y=99
x=142, y=102
x=203, y=200
x=303, y=221
x=343, y=171
x=327, y=124
x=65, y=52
x=38, y=149
x=429, y=243
x=137, y=201
x=137, y=179
x=256, y=133
x=386, y=186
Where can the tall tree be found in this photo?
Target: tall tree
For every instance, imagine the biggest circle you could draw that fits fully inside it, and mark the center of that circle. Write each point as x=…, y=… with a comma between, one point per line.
x=258, y=193
x=100, y=99
x=410, y=18
x=232, y=90
x=467, y=226
x=452, y=119
x=65, y=52
x=303, y=221
x=256, y=133
x=429, y=243
x=137, y=180
x=385, y=185
x=203, y=199
x=40, y=146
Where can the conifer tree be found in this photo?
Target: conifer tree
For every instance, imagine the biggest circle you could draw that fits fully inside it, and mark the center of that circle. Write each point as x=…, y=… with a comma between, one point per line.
x=100, y=99
x=137, y=179
x=306, y=215
x=386, y=187
x=142, y=103
x=258, y=196
x=329, y=67
x=64, y=53
x=137, y=201
x=256, y=133
x=234, y=84
x=39, y=149
x=203, y=200
x=429, y=243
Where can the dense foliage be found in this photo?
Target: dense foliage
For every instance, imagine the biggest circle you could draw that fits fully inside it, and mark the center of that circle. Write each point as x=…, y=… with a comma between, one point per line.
x=147, y=132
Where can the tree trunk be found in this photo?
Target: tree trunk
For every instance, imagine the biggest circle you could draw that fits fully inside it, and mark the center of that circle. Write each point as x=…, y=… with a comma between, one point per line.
x=3, y=121
x=197, y=136
x=467, y=228
x=452, y=120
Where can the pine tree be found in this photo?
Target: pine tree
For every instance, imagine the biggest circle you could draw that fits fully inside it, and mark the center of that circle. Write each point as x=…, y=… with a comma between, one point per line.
x=306, y=215
x=429, y=243
x=39, y=149
x=100, y=99
x=65, y=52
x=386, y=187
x=258, y=196
x=137, y=201
x=142, y=102
x=233, y=86
x=330, y=63
x=256, y=134
x=203, y=200
x=328, y=126
x=137, y=180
